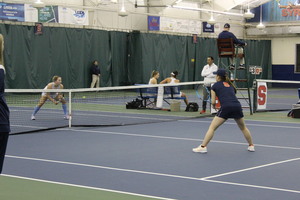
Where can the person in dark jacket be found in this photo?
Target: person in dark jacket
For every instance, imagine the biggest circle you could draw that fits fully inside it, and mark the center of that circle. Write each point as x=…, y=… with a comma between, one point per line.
x=95, y=71
x=225, y=34
x=4, y=111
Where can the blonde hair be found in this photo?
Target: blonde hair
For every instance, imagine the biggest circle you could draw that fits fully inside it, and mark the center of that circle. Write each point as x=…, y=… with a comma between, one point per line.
x=1, y=49
x=154, y=73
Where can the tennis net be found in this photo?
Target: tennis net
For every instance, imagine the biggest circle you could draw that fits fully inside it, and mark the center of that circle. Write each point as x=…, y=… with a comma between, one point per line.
x=102, y=106
x=276, y=95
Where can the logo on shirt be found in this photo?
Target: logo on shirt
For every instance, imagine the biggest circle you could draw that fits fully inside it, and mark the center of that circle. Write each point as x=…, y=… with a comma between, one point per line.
x=226, y=84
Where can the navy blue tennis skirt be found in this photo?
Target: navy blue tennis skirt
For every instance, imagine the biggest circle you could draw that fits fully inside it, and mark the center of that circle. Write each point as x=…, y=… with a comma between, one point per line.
x=235, y=112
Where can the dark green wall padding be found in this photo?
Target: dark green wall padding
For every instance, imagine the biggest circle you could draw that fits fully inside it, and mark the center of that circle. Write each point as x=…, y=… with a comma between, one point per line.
x=125, y=58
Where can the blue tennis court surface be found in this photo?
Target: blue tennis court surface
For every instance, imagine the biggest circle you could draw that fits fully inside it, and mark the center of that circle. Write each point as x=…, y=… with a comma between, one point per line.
x=156, y=160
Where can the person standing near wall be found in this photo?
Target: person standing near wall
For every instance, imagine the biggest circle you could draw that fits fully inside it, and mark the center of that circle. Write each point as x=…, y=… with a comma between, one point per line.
x=209, y=77
x=95, y=71
x=4, y=111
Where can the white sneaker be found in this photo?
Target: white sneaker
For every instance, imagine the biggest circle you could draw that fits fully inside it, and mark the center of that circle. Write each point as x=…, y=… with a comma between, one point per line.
x=251, y=148
x=66, y=117
x=32, y=117
x=200, y=149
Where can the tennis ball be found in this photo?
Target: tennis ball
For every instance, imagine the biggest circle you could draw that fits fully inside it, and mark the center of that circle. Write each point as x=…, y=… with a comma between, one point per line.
x=83, y=97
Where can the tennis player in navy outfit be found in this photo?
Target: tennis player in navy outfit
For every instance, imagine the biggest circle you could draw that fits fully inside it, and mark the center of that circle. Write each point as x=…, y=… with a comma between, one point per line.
x=230, y=108
x=4, y=111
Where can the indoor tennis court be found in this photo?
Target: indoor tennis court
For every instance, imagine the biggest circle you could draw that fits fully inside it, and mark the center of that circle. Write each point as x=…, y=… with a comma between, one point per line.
x=155, y=161
x=129, y=92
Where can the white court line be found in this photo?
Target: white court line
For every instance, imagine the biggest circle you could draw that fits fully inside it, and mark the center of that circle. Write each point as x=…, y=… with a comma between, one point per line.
x=251, y=168
x=247, y=124
x=103, y=167
x=253, y=186
x=85, y=187
x=28, y=126
x=171, y=175
x=174, y=138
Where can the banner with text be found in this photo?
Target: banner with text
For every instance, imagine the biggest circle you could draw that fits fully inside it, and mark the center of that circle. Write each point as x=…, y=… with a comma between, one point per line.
x=153, y=23
x=72, y=16
x=12, y=12
x=48, y=14
x=278, y=10
x=180, y=25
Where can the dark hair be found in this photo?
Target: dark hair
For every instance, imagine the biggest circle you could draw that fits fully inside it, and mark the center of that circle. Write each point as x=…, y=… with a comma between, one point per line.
x=174, y=73
x=93, y=63
x=212, y=58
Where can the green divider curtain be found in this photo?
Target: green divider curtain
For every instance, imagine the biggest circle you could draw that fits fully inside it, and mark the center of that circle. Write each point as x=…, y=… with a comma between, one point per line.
x=124, y=58
x=31, y=60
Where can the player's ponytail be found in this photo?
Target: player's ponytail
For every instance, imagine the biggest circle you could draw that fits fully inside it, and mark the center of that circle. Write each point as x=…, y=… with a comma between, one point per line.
x=230, y=83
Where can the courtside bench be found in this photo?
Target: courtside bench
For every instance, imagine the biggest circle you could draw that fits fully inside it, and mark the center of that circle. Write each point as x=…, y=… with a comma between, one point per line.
x=149, y=95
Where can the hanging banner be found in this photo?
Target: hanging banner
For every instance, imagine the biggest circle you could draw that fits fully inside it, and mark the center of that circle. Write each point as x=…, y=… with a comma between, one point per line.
x=48, y=14
x=208, y=28
x=180, y=25
x=153, y=23
x=31, y=13
x=73, y=16
x=277, y=10
x=38, y=29
x=12, y=12
x=262, y=94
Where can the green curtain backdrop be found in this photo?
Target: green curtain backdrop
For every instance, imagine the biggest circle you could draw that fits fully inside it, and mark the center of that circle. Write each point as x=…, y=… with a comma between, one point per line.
x=124, y=58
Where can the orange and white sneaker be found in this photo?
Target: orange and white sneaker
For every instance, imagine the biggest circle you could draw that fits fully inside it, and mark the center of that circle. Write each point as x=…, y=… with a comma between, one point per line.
x=200, y=149
x=251, y=148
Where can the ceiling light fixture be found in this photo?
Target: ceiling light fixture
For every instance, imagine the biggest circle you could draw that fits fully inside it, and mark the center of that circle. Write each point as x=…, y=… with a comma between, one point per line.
x=248, y=14
x=123, y=12
x=211, y=21
x=260, y=26
x=38, y=4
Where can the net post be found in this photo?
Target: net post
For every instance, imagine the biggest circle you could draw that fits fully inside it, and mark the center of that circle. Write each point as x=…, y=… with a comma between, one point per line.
x=70, y=109
x=254, y=95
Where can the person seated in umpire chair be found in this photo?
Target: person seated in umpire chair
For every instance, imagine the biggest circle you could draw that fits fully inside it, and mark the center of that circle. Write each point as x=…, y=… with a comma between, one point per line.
x=225, y=34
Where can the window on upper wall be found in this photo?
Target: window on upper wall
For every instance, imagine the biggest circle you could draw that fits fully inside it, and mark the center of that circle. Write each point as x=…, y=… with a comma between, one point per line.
x=297, y=64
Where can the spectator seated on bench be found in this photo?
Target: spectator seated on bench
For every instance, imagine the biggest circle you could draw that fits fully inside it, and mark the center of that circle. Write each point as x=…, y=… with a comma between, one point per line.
x=148, y=95
x=173, y=80
x=173, y=92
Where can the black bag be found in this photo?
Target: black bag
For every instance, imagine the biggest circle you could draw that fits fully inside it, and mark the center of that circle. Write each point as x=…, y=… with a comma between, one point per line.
x=192, y=107
x=134, y=104
x=294, y=113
